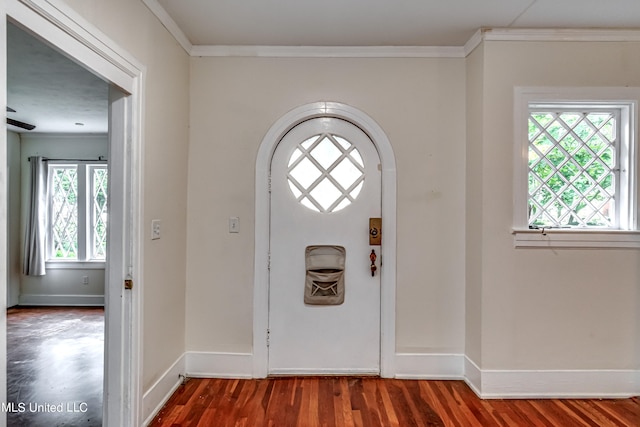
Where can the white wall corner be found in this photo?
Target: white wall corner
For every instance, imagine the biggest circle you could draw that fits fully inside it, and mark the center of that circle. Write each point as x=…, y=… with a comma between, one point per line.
x=473, y=376
x=429, y=366
x=201, y=364
x=159, y=393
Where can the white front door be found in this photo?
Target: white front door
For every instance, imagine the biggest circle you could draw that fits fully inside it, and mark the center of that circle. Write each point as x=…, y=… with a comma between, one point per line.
x=325, y=185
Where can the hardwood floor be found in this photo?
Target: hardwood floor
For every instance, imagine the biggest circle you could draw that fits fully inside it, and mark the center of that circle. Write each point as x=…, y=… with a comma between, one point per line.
x=55, y=366
x=368, y=402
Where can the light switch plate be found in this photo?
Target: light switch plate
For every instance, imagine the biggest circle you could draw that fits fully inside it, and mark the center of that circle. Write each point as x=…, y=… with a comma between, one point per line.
x=155, y=229
x=234, y=224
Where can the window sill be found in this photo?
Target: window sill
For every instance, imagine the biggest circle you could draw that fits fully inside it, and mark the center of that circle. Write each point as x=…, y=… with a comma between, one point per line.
x=563, y=238
x=75, y=265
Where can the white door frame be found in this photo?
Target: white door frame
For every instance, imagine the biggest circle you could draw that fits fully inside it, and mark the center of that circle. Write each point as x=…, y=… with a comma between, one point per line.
x=388, y=249
x=68, y=32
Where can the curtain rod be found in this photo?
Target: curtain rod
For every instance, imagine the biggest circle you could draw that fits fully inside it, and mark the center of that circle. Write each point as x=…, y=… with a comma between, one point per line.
x=47, y=159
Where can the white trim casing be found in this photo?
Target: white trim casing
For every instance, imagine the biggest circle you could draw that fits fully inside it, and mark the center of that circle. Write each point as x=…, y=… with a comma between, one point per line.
x=388, y=249
x=4, y=212
x=625, y=237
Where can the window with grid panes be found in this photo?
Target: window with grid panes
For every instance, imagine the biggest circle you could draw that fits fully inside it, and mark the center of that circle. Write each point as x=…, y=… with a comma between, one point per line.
x=77, y=212
x=576, y=163
x=574, y=170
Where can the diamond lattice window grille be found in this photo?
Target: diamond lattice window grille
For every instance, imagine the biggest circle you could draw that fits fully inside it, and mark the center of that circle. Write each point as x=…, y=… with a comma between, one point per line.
x=99, y=221
x=572, y=167
x=325, y=173
x=64, y=212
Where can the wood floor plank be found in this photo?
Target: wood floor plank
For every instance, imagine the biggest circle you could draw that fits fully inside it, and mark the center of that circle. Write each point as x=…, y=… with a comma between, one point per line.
x=435, y=400
x=621, y=410
x=345, y=404
x=371, y=402
x=465, y=406
x=388, y=407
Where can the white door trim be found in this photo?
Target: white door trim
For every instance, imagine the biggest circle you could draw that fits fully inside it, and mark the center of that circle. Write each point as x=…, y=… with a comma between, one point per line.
x=62, y=27
x=261, y=265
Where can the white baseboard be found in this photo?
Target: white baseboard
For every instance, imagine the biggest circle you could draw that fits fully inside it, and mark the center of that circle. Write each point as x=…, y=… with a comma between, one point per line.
x=154, y=399
x=429, y=366
x=545, y=384
x=201, y=364
x=472, y=375
x=61, y=300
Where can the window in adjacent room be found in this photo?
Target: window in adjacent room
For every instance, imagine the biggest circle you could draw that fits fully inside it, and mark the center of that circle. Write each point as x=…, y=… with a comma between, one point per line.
x=77, y=212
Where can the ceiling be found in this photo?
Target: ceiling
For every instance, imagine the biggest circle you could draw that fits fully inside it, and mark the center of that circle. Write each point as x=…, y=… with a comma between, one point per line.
x=50, y=91
x=54, y=93
x=379, y=22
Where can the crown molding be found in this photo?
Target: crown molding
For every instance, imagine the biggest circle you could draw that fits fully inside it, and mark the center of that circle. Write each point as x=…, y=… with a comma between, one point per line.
x=561, y=34
x=330, y=51
x=169, y=24
x=473, y=42
x=483, y=34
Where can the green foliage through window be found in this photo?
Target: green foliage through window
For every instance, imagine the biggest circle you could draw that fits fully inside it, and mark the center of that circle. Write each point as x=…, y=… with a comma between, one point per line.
x=78, y=209
x=572, y=172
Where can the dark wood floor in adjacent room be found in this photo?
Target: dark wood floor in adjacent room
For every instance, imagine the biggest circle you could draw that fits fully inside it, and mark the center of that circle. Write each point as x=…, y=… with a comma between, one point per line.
x=55, y=357
x=369, y=402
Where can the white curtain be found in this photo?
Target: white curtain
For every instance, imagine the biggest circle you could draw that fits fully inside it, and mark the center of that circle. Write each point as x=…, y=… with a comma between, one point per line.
x=36, y=232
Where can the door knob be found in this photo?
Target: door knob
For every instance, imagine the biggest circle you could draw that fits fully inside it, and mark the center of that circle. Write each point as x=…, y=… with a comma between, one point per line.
x=373, y=258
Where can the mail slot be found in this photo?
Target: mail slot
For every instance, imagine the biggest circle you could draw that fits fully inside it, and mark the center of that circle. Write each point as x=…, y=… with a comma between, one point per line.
x=324, y=282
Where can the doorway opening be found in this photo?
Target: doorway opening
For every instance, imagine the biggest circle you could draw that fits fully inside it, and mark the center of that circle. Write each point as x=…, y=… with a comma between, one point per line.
x=74, y=38
x=58, y=126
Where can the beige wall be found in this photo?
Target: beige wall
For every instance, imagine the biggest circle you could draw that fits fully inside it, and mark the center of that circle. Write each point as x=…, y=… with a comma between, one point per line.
x=473, y=204
x=165, y=131
x=550, y=309
x=419, y=103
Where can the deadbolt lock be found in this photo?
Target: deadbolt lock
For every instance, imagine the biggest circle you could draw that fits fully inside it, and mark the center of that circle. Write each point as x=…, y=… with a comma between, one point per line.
x=375, y=231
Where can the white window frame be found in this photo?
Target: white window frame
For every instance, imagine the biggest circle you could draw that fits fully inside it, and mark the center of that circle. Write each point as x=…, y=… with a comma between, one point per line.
x=85, y=258
x=626, y=235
